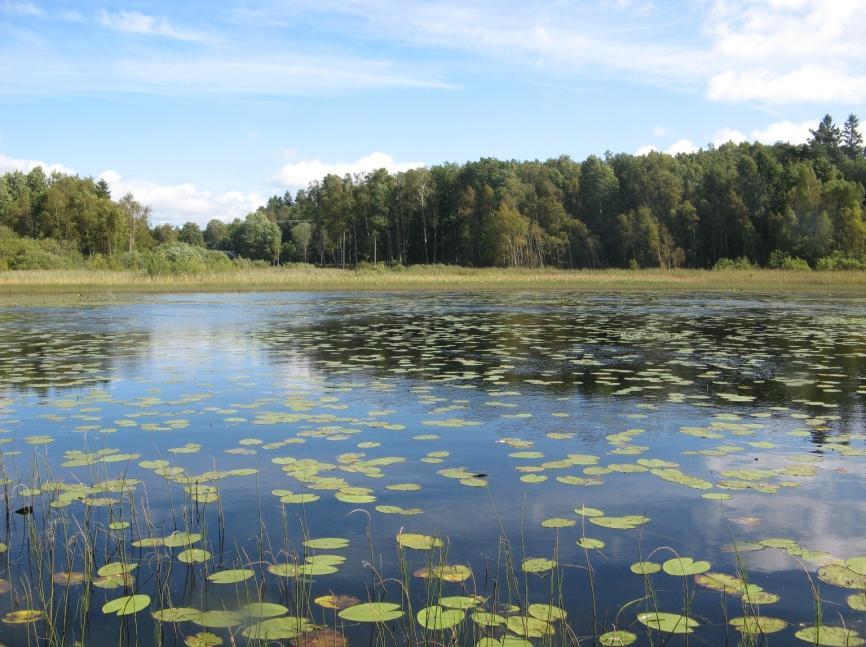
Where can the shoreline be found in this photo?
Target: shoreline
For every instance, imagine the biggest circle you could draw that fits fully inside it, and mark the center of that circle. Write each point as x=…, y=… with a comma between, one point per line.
x=29, y=285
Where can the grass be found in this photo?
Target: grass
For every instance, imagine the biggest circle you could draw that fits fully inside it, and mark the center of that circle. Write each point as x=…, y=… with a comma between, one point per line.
x=29, y=285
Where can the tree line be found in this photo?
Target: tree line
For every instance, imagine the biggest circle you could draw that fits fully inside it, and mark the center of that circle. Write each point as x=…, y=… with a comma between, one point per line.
x=763, y=204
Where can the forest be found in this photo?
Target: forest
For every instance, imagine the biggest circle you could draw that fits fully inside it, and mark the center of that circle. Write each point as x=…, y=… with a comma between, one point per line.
x=780, y=206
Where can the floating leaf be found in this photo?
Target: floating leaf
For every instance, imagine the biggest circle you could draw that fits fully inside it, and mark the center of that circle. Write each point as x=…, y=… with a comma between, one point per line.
x=682, y=566
x=126, y=605
x=538, y=564
x=529, y=627
x=418, y=542
x=546, y=612
x=231, y=576
x=372, y=612
x=758, y=624
x=618, y=638
x=671, y=623
x=645, y=568
x=23, y=616
x=327, y=543
x=828, y=636
x=438, y=618
x=176, y=614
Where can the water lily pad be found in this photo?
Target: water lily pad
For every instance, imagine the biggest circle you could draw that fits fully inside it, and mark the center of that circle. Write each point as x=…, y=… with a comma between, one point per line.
x=126, y=605
x=181, y=538
x=645, y=568
x=337, y=602
x=284, y=628
x=116, y=568
x=558, y=522
x=528, y=626
x=461, y=601
x=671, y=623
x=193, y=556
x=418, y=542
x=438, y=618
x=487, y=619
x=176, y=614
x=857, y=564
x=372, y=612
x=617, y=638
x=840, y=575
x=682, y=566
x=588, y=543
x=232, y=576
x=758, y=624
x=538, y=565
x=263, y=609
x=546, y=612
x=327, y=543
x=203, y=639
x=23, y=616
x=828, y=636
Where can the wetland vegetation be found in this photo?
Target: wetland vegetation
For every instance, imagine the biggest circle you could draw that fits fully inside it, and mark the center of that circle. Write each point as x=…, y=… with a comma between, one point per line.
x=500, y=469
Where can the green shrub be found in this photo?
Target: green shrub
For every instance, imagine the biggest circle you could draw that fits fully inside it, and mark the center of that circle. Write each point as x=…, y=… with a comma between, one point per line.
x=741, y=263
x=182, y=258
x=838, y=261
x=781, y=261
x=18, y=253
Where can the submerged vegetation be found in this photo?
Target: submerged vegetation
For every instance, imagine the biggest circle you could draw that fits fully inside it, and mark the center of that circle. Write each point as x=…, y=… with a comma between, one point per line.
x=479, y=470
x=781, y=206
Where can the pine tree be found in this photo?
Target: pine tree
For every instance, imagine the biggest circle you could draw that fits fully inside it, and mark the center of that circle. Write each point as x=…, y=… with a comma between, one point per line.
x=827, y=137
x=852, y=140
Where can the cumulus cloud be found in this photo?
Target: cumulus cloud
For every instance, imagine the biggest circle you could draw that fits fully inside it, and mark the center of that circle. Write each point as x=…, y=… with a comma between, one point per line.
x=21, y=8
x=810, y=83
x=8, y=164
x=298, y=175
x=134, y=22
x=780, y=131
x=726, y=135
x=681, y=146
x=179, y=203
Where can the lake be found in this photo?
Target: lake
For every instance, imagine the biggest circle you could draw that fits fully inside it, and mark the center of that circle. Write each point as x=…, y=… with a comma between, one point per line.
x=500, y=469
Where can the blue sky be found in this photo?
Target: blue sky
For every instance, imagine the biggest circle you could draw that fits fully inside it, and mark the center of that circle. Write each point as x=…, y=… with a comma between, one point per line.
x=203, y=109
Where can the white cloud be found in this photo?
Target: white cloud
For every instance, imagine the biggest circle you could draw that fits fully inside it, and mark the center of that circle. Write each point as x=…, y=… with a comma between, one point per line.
x=643, y=150
x=767, y=48
x=179, y=203
x=20, y=8
x=8, y=164
x=134, y=22
x=660, y=131
x=807, y=84
x=298, y=175
x=760, y=51
x=780, y=131
x=726, y=135
x=681, y=146
x=785, y=131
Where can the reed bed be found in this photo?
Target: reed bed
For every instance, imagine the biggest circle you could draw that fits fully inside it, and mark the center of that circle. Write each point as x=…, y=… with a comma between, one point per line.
x=431, y=277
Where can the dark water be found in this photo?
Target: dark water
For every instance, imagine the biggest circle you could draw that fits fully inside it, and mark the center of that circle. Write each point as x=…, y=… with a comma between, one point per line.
x=758, y=399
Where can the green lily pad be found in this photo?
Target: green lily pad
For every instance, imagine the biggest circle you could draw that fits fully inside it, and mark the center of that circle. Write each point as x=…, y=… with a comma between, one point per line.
x=176, y=614
x=528, y=626
x=617, y=638
x=840, y=575
x=558, y=522
x=670, y=623
x=827, y=636
x=546, y=612
x=418, y=542
x=682, y=566
x=231, y=576
x=126, y=605
x=857, y=564
x=263, y=610
x=758, y=624
x=438, y=618
x=588, y=543
x=193, y=556
x=327, y=543
x=284, y=628
x=538, y=564
x=372, y=612
x=181, y=538
x=487, y=619
x=645, y=568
